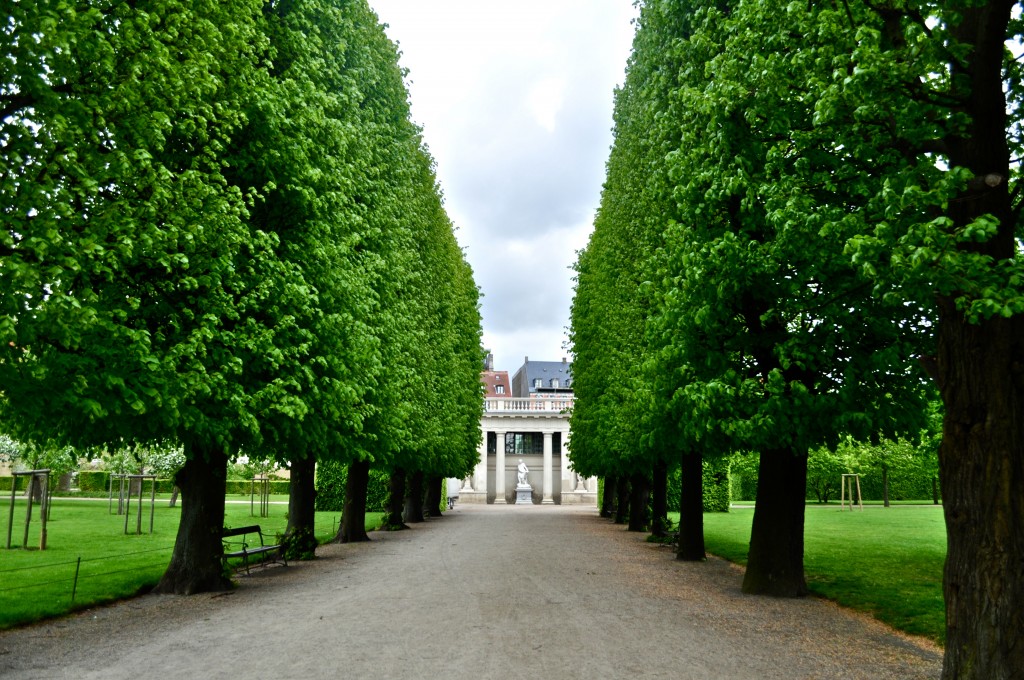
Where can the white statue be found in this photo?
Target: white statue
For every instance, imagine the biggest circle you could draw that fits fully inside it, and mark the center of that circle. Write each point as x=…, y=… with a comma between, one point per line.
x=523, y=471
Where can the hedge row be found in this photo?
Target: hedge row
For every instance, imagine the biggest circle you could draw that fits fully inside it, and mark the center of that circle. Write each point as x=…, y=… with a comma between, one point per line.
x=716, y=480
x=917, y=487
x=93, y=480
x=96, y=481
x=330, y=488
x=244, y=487
x=909, y=485
x=717, y=486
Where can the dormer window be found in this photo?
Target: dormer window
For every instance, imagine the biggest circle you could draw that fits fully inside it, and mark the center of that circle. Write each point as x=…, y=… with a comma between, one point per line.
x=554, y=383
x=538, y=383
x=499, y=389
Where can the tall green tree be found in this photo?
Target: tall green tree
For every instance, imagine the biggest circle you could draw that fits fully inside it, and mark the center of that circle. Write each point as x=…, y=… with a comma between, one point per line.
x=789, y=348
x=908, y=149
x=302, y=154
x=139, y=304
x=893, y=128
x=423, y=408
x=948, y=229
x=443, y=355
x=613, y=431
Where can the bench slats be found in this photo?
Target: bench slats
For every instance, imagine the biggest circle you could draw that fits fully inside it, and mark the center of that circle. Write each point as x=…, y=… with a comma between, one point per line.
x=262, y=550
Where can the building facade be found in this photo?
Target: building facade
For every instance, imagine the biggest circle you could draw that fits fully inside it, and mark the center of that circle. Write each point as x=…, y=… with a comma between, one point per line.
x=537, y=378
x=532, y=428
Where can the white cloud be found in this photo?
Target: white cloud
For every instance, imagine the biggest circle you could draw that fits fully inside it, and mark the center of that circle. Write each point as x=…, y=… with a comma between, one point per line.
x=516, y=102
x=545, y=101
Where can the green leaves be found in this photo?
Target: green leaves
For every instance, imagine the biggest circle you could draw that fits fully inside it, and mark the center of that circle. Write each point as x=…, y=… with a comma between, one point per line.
x=207, y=231
x=773, y=314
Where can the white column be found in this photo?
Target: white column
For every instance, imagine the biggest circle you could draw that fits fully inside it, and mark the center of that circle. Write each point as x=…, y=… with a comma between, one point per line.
x=499, y=469
x=482, y=452
x=481, y=468
x=564, y=474
x=547, y=469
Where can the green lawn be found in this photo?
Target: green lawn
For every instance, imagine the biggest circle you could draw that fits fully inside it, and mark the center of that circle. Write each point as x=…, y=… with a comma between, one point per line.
x=38, y=584
x=884, y=561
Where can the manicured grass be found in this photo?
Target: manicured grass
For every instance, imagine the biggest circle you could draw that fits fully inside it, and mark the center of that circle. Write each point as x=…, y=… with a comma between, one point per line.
x=38, y=584
x=884, y=561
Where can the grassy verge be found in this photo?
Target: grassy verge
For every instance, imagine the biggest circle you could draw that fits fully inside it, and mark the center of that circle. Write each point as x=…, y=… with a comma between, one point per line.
x=883, y=561
x=37, y=584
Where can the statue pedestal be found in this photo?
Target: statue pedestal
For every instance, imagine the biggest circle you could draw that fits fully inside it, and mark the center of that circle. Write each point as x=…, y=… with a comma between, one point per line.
x=524, y=494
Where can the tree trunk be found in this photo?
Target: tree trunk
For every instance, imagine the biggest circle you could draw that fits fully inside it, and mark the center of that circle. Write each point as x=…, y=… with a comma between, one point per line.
x=982, y=475
x=432, y=502
x=691, y=509
x=299, y=541
x=34, y=489
x=639, y=499
x=396, y=501
x=196, y=563
x=414, y=498
x=935, y=490
x=659, y=501
x=981, y=379
x=174, y=496
x=353, y=516
x=611, y=486
x=135, y=485
x=622, y=500
x=775, y=563
x=885, y=486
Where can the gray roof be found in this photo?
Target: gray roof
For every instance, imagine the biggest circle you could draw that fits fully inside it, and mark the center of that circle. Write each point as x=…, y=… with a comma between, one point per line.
x=546, y=371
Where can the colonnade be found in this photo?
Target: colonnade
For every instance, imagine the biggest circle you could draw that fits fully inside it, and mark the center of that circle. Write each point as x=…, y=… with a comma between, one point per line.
x=553, y=483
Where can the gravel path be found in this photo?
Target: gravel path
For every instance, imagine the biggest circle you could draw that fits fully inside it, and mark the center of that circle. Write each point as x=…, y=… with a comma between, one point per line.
x=485, y=592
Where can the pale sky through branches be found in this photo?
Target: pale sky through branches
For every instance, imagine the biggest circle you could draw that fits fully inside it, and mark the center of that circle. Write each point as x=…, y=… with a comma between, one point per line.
x=516, y=104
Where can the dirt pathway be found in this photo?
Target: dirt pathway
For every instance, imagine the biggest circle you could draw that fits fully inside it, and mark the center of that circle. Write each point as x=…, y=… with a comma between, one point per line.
x=485, y=592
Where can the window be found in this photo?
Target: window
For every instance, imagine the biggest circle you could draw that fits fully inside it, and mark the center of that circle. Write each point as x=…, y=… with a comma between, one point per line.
x=500, y=389
x=538, y=383
x=554, y=383
x=526, y=442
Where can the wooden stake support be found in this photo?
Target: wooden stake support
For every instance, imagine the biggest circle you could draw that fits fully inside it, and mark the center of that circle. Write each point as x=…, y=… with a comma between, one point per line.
x=128, y=500
x=43, y=478
x=260, y=483
x=849, y=480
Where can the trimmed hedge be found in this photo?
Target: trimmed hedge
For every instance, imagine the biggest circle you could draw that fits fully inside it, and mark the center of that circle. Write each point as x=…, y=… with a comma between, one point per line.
x=744, y=487
x=93, y=480
x=716, y=485
x=907, y=485
x=901, y=487
x=330, y=488
x=243, y=487
x=716, y=480
x=97, y=481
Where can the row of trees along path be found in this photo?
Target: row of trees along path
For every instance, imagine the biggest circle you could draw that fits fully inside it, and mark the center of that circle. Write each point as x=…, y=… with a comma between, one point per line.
x=222, y=230
x=810, y=228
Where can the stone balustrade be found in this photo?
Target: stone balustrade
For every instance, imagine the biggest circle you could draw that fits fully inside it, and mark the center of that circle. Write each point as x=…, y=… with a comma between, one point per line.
x=552, y=405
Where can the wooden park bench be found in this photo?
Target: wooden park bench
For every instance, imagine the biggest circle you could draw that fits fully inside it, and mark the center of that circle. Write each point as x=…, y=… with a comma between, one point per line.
x=268, y=554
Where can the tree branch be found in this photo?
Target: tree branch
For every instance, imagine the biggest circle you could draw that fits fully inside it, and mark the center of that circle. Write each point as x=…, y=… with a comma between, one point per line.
x=15, y=102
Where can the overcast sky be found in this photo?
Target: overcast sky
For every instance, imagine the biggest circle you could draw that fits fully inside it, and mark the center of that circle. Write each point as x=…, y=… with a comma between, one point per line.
x=516, y=104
